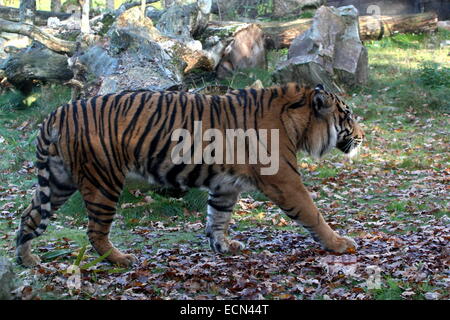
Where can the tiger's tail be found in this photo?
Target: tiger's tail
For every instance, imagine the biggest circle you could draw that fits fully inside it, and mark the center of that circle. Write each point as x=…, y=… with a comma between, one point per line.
x=36, y=217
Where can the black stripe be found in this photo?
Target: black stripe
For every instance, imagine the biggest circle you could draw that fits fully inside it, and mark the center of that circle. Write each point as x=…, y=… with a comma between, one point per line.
x=99, y=187
x=219, y=207
x=194, y=175
x=41, y=165
x=43, y=198
x=232, y=109
x=101, y=206
x=45, y=213
x=26, y=237
x=97, y=231
x=143, y=137
x=104, y=222
x=173, y=173
x=128, y=132
x=293, y=168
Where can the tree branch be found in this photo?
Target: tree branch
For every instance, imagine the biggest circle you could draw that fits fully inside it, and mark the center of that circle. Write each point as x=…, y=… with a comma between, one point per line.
x=128, y=5
x=41, y=17
x=35, y=33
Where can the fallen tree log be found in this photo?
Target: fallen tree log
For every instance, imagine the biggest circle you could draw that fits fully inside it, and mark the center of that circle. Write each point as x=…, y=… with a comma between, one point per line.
x=40, y=19
x=128, y=5
x=280, y=34
x=51, y=42
x=373, y=27
x=35, y=63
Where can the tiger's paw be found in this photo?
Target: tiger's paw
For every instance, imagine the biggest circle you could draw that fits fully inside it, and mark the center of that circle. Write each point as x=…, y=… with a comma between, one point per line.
x=236, y=246
x=28, y=260
x=343, y=245
x=124, y=260
x=24, y=256
x=226, y=246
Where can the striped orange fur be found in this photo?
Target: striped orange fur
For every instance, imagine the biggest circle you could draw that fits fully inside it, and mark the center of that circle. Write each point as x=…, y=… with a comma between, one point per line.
x=92, y=145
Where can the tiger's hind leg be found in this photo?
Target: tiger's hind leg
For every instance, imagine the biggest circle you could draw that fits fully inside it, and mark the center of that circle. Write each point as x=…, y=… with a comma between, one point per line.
x=220, y=207
x=54, y=188
x=101, y=206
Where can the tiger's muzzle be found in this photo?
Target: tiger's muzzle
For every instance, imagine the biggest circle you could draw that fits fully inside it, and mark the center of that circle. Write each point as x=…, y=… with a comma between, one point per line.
x=351, y=144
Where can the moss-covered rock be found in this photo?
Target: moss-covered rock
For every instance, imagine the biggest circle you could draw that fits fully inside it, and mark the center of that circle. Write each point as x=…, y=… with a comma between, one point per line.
x=6, y=279
x=184, y=21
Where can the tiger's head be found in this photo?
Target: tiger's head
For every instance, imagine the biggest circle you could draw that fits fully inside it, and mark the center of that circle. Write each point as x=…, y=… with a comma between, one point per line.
x=324, y=121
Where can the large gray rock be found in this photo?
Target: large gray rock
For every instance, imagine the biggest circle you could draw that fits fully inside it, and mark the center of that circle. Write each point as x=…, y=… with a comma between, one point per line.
x=444, y=25
x=132, y=59
x=153, y=13
x=283, y=8
x=330, y=53
x=6, y=279
x=142, y=64
x=99, y=61
x=170, y=3
x=185, y=21
x=246, y=50
x=131, y=20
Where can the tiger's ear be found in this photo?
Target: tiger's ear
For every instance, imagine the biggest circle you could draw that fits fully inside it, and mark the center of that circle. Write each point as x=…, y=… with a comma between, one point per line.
x=320, y=102
x=319, y=87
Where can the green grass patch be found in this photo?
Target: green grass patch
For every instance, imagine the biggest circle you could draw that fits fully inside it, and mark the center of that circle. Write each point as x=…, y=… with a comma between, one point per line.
x=74, y=209
x=407, y=72
x=397, y=206
x=390, y=291
x=12, y=100
x=175, y=237
x=402, y=41
x=196, y=200
x=434, y=75
x=326, y=172
x=441, y=214
x=246, y=77
x=256, y=195
x=412, y=164
x=307, y=14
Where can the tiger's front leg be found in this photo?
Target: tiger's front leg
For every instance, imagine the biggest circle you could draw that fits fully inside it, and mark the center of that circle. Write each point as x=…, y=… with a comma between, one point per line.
x=220, y=207
x=287, y=191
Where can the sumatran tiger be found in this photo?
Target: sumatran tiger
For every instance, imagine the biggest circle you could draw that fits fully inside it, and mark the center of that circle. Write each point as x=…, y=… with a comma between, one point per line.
x=92, y=145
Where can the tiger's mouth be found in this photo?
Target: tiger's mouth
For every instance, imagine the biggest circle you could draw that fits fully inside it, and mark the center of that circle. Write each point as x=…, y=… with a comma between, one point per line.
x=350, y=146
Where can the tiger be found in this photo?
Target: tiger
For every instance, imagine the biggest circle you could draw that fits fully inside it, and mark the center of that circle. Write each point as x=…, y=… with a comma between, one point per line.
x=92, y=145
